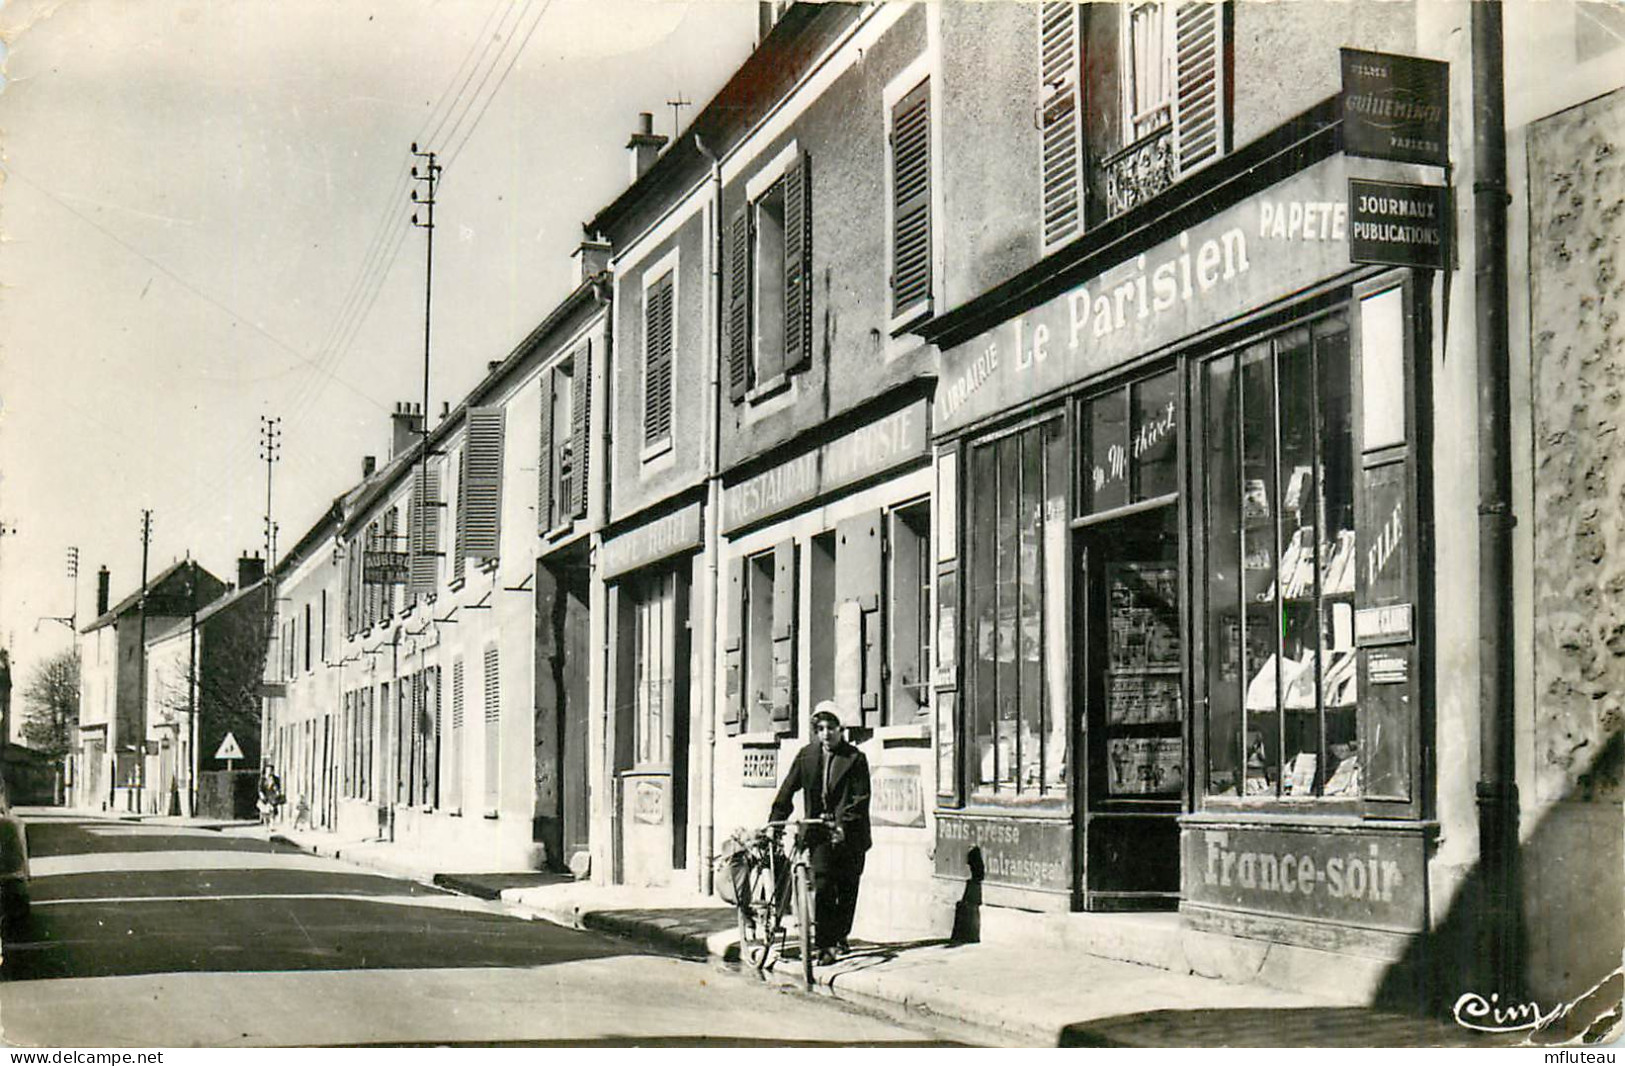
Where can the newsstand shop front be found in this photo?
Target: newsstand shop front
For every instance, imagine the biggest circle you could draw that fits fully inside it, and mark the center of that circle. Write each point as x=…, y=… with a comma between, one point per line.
x=1182, y=651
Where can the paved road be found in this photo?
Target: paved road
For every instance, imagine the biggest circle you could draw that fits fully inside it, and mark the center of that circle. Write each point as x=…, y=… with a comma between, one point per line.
x=147, y=936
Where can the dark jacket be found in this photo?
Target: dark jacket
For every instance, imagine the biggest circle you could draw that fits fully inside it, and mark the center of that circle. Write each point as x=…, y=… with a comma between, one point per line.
x=848, y=790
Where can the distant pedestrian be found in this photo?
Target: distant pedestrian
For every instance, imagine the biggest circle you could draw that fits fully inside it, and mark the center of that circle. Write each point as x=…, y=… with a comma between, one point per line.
x=833, y=777
x=270, y=798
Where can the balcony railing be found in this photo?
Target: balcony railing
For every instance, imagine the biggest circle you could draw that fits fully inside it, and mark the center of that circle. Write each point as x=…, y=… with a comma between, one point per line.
x=1140, y=171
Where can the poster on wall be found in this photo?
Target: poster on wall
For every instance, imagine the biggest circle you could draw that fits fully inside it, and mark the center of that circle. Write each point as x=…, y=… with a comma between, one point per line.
x=1145, y=766
x=1143, y=616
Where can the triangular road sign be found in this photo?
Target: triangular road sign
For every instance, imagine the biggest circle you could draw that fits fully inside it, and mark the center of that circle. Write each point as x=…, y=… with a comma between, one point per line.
x=229, y=749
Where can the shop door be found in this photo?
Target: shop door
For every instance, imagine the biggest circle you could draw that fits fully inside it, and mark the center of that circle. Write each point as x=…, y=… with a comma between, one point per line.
x=1131, y=668
x=651, y=726
x=577, y=656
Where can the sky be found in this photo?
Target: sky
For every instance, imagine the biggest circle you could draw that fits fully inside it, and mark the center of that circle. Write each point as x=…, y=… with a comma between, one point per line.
x=205, y=220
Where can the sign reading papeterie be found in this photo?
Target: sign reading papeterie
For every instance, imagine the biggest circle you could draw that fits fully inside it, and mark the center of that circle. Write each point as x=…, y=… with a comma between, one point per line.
x=1396, y=107
x=1394, y=223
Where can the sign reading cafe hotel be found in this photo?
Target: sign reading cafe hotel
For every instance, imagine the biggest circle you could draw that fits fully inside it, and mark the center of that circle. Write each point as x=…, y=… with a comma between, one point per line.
x=1267, y=247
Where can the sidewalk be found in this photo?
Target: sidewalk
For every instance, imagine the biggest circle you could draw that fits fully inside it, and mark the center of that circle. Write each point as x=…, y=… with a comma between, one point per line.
x=1010, y=993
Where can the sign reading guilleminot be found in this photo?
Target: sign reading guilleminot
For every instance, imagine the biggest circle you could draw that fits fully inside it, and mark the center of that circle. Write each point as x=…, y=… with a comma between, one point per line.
x=1396, y=107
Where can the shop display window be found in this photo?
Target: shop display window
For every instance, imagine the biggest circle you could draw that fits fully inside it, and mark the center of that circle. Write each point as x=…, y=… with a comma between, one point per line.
x=1016, y=658
x=1279, y=520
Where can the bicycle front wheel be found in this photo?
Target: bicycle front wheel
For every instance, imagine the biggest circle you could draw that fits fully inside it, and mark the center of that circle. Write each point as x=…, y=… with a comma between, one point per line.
x=804, y=921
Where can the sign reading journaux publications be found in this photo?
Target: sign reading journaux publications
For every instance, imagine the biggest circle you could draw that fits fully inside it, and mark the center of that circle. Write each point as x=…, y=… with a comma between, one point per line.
x=1393, y=223
x=1396, y=107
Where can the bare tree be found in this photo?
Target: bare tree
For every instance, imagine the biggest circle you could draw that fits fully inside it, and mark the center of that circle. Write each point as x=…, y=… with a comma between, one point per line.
x=51, y=704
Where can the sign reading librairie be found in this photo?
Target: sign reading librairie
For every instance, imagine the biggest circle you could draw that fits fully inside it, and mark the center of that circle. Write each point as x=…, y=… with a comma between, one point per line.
x=1395, y=223
x=1396, y=107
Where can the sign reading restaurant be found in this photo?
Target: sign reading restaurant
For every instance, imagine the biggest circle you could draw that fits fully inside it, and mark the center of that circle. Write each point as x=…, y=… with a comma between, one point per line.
x=1266, y=248
x=871, y=449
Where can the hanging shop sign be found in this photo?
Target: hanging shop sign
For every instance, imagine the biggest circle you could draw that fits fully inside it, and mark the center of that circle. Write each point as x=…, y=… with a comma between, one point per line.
x=1015, y=852
x=1365, y=878
x=1396, y=107
x=651, y=542
x=894, y=440
x=896, y=797
x=1394, y=223
x=1264, y=249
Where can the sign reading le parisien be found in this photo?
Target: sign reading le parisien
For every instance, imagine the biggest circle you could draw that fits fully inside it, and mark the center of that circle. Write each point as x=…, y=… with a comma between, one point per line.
x=1395, y=107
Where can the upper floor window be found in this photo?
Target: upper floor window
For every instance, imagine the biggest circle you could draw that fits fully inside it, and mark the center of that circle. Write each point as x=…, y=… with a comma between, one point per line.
x=909, y=198
x=562, y=474
x=770, y=277
x=659, y=345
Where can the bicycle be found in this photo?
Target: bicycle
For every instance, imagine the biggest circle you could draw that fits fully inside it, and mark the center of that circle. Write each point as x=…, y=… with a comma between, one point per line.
x=765, y=878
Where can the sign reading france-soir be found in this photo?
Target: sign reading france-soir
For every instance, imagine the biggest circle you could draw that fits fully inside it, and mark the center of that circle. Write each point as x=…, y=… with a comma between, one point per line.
x=1263, y=249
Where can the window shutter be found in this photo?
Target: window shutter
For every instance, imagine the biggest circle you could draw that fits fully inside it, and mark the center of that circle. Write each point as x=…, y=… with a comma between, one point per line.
x=425, y=528
x=784, y=636
x=493, y=727
x=739, y=305
x=1199, y=84
x=390, y=543
x=798, y=265
x=858, y=562
x=1060, y=121
x=911, y=200
x=352, y=568
x=454, y=758
x=733, y=648
x=460, y=548
x=544, y=460
x=657, y=353
x=580, y=425
x=482, y=462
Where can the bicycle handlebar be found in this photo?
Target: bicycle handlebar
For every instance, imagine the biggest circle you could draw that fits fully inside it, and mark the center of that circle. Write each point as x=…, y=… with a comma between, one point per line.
x=820, y=820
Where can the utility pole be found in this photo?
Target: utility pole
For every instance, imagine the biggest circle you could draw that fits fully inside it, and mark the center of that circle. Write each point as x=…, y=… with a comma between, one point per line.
x=73, y=604
x=270, y=452
x=431, y=179
x=191, y=699
x=141, y=672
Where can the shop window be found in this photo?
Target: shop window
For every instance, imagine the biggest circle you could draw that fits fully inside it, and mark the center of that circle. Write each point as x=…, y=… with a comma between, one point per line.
x=1015, y=693
x=770, y=278
x=1130, y=445
x=1279, y=503
x=654, y=667
x=821, y=619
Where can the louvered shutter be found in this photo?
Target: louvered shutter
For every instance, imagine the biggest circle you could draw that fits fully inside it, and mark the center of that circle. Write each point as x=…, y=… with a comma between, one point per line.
x=798, y=265
x=425, y=529
x=581, y=424
x=859, y=558
x=657, y=355
x=739, y=305
x=784, y=636
x=733, y=650
x=482, y=465
x=352, y=599
x=911, y=200
x=459, y=553
x=391, y=543
x=454, y=757
x=493, y=729
x=1060, y=121
x=1199, y=126
x=544, y=458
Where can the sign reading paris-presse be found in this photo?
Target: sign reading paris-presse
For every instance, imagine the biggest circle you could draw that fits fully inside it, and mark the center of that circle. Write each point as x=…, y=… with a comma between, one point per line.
x=1396, y=107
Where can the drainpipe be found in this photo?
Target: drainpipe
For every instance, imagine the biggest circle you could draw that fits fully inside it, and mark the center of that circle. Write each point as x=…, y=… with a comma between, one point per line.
x=1497, y=784
x=713, y=547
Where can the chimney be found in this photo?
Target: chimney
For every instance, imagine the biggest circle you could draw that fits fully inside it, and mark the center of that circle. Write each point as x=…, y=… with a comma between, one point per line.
x=369, y=465
x=591, y=258
x=491, y=366
x=645, y=145
x=250, y=568
x=406, y=427
x=445, y=410
x=103, y=581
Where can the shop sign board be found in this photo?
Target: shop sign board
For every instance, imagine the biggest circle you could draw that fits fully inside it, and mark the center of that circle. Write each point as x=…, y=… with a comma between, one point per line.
x=649, y=802
x=1393, y=223
x=1395, y=107
x=651, y=542
x=384, y=567
x=871, y=449
x=895, y=797
x=1280, y=241
x=1370, y=879
x=1015, y=852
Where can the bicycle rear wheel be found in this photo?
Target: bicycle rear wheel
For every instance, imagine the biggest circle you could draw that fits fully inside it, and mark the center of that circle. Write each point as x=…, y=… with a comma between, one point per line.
x=804, y=921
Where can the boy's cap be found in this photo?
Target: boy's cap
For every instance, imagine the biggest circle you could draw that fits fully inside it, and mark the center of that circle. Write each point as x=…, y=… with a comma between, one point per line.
x=827, y=709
